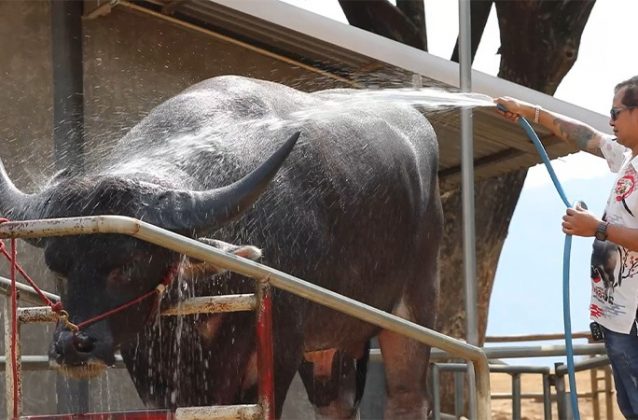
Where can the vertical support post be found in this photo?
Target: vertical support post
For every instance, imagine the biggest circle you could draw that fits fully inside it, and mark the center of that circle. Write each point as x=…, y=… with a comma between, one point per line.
x=467, y=178
x=547, y=398
x=265, y=357
x=471, y=383
x=467, y=162
x=516, y=396
x=68, y=136
x=562, y=396
x=68, y=84
x=609, y=390
x=459, y=394
x=593, y=378
x=436, y=392
x=12, y=388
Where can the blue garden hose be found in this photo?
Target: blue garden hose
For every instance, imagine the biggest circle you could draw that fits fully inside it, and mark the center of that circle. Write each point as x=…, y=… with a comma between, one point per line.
x=566, y=262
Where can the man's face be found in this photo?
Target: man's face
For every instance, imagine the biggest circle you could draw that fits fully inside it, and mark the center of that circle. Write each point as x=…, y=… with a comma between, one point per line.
x=624, y=121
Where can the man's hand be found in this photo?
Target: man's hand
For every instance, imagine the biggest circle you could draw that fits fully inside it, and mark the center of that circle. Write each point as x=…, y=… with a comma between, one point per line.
x=580, y=222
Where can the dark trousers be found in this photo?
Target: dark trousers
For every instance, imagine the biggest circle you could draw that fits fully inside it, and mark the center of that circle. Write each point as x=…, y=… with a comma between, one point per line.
x=622, y=350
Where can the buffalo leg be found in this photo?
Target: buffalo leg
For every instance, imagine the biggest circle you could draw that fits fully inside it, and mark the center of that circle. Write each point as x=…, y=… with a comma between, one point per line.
x=405, y=360
x=334, y=381
x=405, y=364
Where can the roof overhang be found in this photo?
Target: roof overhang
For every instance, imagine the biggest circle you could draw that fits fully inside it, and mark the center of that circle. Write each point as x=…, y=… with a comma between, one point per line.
x=352, y=55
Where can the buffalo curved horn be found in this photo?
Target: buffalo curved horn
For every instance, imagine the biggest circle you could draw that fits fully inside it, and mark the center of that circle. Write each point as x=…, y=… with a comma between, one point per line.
x=14, y=204
x=206, y=210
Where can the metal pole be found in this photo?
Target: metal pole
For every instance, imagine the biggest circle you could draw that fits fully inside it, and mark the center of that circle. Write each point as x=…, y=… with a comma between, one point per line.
x=467, y=177
x=471, y=380
x=516, y=396
x=281, y=280
x=436, y=392
x=27, y=293
x=547, y=398
x=562, y=396
x=467, y=162
x=459, y=394
x=68, y=86
x=593, y=377
x=68, y=136
x=609, y=394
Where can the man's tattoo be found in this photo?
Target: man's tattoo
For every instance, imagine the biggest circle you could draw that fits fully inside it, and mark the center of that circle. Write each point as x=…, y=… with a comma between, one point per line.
x=574, y=133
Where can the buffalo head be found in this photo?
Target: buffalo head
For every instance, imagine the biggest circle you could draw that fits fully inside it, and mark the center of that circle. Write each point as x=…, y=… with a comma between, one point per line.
x=101, y=272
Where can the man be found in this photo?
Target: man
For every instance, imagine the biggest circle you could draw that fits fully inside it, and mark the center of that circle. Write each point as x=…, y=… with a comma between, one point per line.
x=614, y=300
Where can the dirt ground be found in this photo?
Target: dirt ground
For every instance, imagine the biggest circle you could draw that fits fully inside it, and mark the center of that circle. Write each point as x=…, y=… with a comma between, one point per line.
x=532, y=409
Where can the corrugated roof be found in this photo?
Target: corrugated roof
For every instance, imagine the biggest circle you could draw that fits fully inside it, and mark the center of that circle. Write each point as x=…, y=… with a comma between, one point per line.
x=351, y=54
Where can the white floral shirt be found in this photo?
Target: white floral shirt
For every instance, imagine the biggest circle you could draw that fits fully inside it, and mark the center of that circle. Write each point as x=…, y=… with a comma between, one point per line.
x=614, y=269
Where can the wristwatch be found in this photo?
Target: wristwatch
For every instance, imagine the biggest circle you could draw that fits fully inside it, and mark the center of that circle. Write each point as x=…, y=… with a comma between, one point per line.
x=601, y=231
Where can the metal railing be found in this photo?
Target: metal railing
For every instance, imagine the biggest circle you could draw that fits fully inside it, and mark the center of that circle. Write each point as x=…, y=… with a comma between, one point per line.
x=549, y=379
x=195, y=249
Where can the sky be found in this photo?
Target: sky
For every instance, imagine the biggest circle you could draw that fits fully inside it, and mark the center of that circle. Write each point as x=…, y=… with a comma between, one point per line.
x=528, y=290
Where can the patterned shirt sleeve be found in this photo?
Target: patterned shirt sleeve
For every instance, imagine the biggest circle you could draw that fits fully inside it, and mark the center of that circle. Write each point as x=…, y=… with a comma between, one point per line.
x=613, y=152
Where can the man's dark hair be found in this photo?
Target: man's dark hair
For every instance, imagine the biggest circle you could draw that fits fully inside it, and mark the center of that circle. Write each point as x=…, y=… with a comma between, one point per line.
x=630, y=98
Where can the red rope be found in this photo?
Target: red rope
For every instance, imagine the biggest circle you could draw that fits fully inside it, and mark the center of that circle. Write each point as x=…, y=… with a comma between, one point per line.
x=158, y=290
x=29, y=280
x=57, y=306
x=58, y=309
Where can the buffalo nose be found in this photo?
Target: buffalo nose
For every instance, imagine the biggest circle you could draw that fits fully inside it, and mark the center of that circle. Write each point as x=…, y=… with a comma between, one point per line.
x=74, y=347
x=83, y=343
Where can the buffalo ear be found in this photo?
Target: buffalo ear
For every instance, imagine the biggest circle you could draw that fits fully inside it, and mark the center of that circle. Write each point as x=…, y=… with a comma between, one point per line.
x=205, y=211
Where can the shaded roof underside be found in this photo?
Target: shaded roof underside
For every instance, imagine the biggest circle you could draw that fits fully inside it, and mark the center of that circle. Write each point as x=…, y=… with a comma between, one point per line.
x=499, y=146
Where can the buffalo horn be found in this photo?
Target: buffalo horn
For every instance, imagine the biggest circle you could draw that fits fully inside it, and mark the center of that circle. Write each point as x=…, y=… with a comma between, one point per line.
x=14, y=204
x=205, y=210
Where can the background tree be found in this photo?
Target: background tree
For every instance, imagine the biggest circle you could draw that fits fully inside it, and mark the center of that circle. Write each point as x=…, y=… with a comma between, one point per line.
x=539, y=45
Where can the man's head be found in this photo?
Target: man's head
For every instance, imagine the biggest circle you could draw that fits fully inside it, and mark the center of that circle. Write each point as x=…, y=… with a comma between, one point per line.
x=624, y=113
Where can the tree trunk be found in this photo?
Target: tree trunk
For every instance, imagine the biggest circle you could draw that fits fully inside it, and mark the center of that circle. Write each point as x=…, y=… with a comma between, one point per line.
x=496, y=197
x=383, y=18
x=540, y=40
x=479, y=13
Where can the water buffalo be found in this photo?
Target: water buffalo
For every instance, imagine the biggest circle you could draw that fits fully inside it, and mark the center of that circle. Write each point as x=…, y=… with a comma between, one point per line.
x=354, y=208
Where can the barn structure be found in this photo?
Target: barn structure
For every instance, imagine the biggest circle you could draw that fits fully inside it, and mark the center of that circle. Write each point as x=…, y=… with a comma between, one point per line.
x=93, y=68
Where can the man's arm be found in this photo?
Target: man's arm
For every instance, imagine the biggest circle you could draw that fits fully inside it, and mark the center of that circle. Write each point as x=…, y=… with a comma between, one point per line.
x=580, y=222
x=571, y=131
x=623, y=236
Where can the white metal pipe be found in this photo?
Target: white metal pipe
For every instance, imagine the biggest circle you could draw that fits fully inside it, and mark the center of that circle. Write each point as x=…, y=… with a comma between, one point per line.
x=460, y=367
x=203, y=252
x=223, y=412
x=213, y=304
x=534, y=337
x=27, y=293
x=543, y=351
x=33, y=362
x=36, y=314
x=467, y=164
x=513, y=352
x=591, y=363
x=467, y=192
